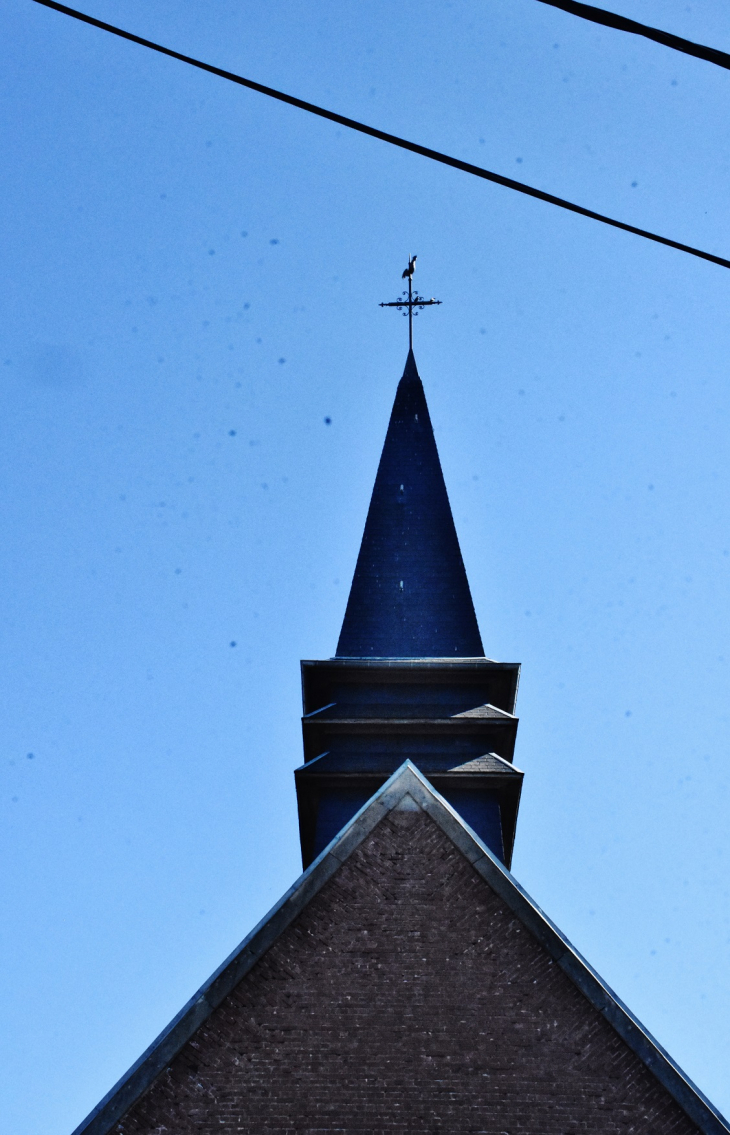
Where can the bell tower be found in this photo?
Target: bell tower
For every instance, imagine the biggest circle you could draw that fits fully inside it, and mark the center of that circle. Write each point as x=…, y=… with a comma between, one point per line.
x=409, y=679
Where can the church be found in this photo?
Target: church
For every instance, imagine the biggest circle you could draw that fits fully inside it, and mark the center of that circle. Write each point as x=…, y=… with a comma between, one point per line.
x=406, y=982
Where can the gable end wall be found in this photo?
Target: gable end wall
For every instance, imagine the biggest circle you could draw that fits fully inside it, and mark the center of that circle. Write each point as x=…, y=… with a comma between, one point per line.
x=406, y=997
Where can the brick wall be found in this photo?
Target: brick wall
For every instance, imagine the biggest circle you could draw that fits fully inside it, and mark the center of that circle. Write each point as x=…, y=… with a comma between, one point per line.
x=406, y=998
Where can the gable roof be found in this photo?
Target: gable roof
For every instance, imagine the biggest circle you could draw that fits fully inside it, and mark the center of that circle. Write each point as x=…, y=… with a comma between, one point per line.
x=407, y=788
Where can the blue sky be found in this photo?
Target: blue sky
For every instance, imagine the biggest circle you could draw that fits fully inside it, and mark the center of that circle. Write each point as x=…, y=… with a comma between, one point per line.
x=191, y=289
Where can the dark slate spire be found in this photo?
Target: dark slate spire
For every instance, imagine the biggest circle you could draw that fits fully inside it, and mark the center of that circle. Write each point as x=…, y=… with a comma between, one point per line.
x=410, y=596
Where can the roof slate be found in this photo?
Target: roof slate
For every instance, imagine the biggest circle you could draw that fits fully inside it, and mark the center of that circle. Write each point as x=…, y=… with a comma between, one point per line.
x=410, y=597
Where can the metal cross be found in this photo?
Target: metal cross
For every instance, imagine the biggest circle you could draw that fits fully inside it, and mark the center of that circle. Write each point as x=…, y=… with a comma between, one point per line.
x=411, y=299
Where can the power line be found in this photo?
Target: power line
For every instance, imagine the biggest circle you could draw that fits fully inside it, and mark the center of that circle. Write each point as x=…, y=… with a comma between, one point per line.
x=623, y=24
x=391, y=139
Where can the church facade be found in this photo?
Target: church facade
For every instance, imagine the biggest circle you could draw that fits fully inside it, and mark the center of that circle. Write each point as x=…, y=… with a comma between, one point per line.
x=406, y=982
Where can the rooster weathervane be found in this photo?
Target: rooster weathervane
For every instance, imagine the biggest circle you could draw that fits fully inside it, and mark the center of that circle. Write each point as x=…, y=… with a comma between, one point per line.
x=411, y=299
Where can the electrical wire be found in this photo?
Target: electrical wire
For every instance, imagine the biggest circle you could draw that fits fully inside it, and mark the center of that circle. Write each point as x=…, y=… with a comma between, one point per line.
x=623, y=24
x=392, y=139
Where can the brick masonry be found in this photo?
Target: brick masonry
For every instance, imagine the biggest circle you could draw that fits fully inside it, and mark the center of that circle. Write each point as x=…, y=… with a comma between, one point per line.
x=406, y=997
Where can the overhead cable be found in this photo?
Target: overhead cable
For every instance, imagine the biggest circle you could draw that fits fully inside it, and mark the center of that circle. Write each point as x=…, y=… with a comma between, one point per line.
x=623, y=24
x=392, y=139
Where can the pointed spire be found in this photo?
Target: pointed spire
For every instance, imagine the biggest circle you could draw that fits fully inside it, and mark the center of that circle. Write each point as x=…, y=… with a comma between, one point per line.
x=410, y=596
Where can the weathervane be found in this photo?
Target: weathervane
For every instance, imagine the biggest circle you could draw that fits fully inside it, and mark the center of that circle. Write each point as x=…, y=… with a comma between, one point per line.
x=411, y=299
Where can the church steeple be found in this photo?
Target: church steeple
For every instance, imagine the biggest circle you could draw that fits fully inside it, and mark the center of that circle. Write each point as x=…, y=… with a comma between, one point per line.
x=409, y=680
x=410, y=596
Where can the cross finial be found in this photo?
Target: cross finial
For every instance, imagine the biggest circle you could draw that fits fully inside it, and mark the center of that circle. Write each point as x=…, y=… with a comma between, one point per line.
x=411, y=299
